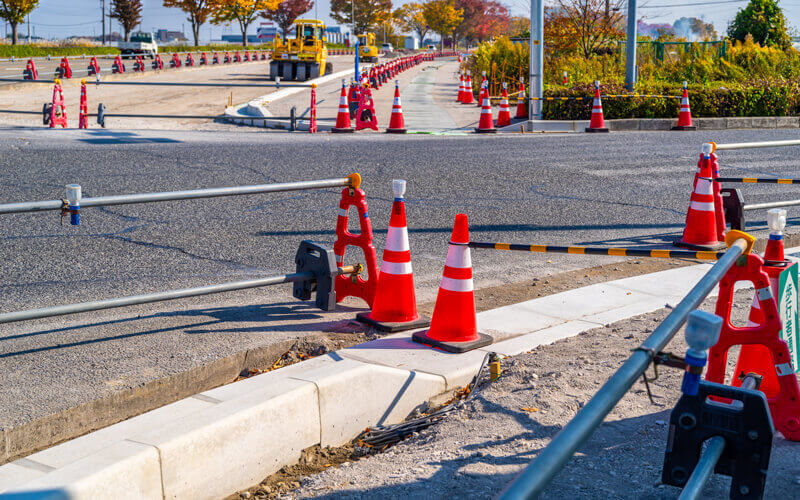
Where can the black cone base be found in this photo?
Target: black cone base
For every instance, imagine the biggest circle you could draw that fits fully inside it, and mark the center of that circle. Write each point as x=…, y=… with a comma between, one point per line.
x=456, y=347
x=386, y=326
x=701, y=248
x=596, y=130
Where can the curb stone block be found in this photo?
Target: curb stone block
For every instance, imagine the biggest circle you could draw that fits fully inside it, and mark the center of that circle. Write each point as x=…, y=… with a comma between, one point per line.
x=787, y=121
x=13, y=476
x=530, y=341
x=710, y=123
x=657, y=124
x=623, y=124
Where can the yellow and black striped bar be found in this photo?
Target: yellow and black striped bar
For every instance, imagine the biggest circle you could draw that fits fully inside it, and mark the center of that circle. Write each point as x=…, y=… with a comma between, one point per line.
x=609, y=96
x=757, y=180
x=617, y=252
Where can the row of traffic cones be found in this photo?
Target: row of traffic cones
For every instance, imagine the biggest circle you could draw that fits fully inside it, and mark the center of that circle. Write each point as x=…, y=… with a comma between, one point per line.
x=485, y=123
x=453, y=326
x=396, y=122
x=597, y=123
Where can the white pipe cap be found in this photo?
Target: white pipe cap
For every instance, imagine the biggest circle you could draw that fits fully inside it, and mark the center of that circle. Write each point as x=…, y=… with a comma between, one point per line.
x=776, y=219
x=399, y=188
x=707, y=148
x=73, y=194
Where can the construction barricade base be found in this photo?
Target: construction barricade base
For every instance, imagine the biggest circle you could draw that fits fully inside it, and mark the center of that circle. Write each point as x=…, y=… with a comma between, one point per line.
x=712, y=246
x=454, y=347
x=596, y=130
x=343, y=130
x=396, y=131
x=485, y=130
x=691, y=127
x=385, y=326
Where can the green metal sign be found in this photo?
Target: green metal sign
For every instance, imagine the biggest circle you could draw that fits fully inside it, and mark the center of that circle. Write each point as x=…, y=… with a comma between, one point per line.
x=787, y=308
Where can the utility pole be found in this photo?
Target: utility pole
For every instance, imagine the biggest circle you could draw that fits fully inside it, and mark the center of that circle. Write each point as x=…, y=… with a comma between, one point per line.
x=630, y=51
x=536, y=59
x=103, y=19
x=29, y=29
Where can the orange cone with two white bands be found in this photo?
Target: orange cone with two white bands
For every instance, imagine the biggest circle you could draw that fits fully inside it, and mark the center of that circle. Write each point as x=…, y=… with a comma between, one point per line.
x=685, y=115
x=343, y=117
x=460, y=96
x=485, y=123
x=700, y=232
x=597, y=123
x=454, y=326
x=522, y=108
x=395, y=305
x=397, y=124
x=504, y=115
x=468, y=98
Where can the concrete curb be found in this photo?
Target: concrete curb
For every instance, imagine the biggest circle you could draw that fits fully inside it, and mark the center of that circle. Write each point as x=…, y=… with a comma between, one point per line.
x=222, y=440
x=634, y=124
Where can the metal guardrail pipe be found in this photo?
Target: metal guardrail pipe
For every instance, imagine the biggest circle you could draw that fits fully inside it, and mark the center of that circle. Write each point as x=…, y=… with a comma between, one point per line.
x=97, y=305
x=771, y=204
x=127, y=199
x=752, y=145
x=705, y=467
x=532, y=481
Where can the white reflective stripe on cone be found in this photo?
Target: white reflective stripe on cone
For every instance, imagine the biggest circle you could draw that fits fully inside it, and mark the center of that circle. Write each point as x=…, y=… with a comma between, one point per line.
x=397, y=239
x=396, y=267
x=704, y=186
x=458, y=257
x=455, y=285
x=702, y=206
x=343, y=212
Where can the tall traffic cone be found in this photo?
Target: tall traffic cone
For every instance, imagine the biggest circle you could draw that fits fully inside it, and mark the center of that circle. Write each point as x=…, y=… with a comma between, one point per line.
x=468, y=98
x=397, y=124
x=485, y=124
x=395, y=305
x=343, y=117
x=597, y=124
x=685, y=115
x=700, y=232
x=454, y=327
x=504, y=115
x=460, y=96
x=522, y=108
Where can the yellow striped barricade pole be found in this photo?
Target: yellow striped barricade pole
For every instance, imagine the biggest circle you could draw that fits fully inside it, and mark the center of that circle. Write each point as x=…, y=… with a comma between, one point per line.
x=613, y=251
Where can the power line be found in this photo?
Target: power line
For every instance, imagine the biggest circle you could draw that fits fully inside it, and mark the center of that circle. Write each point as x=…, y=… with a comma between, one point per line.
x=691, y=4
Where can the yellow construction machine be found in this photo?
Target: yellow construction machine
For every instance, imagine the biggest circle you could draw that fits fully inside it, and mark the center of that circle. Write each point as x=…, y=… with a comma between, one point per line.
x=367, y=49
x=302, y=55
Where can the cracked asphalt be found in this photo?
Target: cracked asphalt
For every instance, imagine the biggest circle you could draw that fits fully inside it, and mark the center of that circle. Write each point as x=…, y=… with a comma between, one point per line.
x=621, y=188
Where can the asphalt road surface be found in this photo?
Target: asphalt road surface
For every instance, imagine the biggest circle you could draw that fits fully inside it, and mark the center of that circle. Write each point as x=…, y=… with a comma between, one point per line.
x=620, y=188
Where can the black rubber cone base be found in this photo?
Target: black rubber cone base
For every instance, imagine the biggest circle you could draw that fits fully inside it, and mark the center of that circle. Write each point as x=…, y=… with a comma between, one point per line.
x=386, y=326
x=485, y=130
x=701, y=248
x=456, y=347
x=684, y=128
x=396, y=131
x=343, y=130
x=596, y=130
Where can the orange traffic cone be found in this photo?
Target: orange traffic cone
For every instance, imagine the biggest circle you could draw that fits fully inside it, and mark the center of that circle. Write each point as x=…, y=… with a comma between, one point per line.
x=685, y=116
x=468, y=98
x=522, y=108
x=700, y=232
x=395, y=305
x=397, y=124
x=343, y=117
x=504, y=115
x=776, y=221
x=485, y=124
x=454, y=327
x=597, y=124
x=460, y=88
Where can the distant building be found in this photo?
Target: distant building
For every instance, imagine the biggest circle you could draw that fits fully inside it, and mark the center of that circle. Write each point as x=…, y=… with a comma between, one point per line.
x=266, y=32
x=237, y=39
x=334, y=34
x=166, y=36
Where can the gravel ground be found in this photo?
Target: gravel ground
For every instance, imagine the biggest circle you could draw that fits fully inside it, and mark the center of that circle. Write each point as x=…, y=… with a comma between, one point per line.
x=477, y=451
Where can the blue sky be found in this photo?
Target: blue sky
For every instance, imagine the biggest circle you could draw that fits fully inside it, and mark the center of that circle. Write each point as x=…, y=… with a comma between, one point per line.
x=58, y=18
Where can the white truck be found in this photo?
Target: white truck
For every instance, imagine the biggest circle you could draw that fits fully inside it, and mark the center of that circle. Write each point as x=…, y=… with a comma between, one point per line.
x=141, y=44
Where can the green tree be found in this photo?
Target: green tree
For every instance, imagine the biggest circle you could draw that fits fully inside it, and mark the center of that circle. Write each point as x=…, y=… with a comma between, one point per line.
x=764, y=20
x=198, y=11
x=128, y=13
x=442, y=17
x=14, y=11
x=243, y=12
x=370, y=14
x=411, y=18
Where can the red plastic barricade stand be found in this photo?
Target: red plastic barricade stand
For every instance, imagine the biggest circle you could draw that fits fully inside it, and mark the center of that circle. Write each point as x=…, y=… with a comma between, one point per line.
x=30, y=72
x=158, y=63
x=118, y=66
x=189, y=59
x=83, y=112
x=785, y=405
x=263, y=55
x=214, y=58
x=138, y=65
x=58, y=111
x=64, y=71
x=355, y=286
x=203, y=59
x=93, y=68
x=175, y=62
x=237, y=57
x=365, y=116
x=247, y=56
x=227, y=58
x=312, y=123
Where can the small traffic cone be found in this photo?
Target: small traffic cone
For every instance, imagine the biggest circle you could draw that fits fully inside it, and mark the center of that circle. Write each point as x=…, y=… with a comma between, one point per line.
x=776, y=221
x=504, y=115
x=597, y=124
x=565, y=80
x=395, y=306
x=460, y=96
x=700, y=232
x=343, y=117
x=522, y=108
x=685, y=115
x=485, y=124
x=397, y=124
x=468, y=98
x=454, y=327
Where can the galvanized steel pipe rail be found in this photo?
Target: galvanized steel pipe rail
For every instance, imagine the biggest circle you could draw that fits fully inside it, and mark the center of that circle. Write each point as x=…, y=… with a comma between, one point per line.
x=97, y=305
x=705, y=467
x=753, y=145
x=353, y=180
x=536, y=476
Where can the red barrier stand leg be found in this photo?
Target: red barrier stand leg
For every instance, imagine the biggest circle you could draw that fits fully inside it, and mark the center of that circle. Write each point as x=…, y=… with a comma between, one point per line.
x=312, y=123
x=365, y=116
x=58, y=112
x=83, y=113
x=347, y=286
